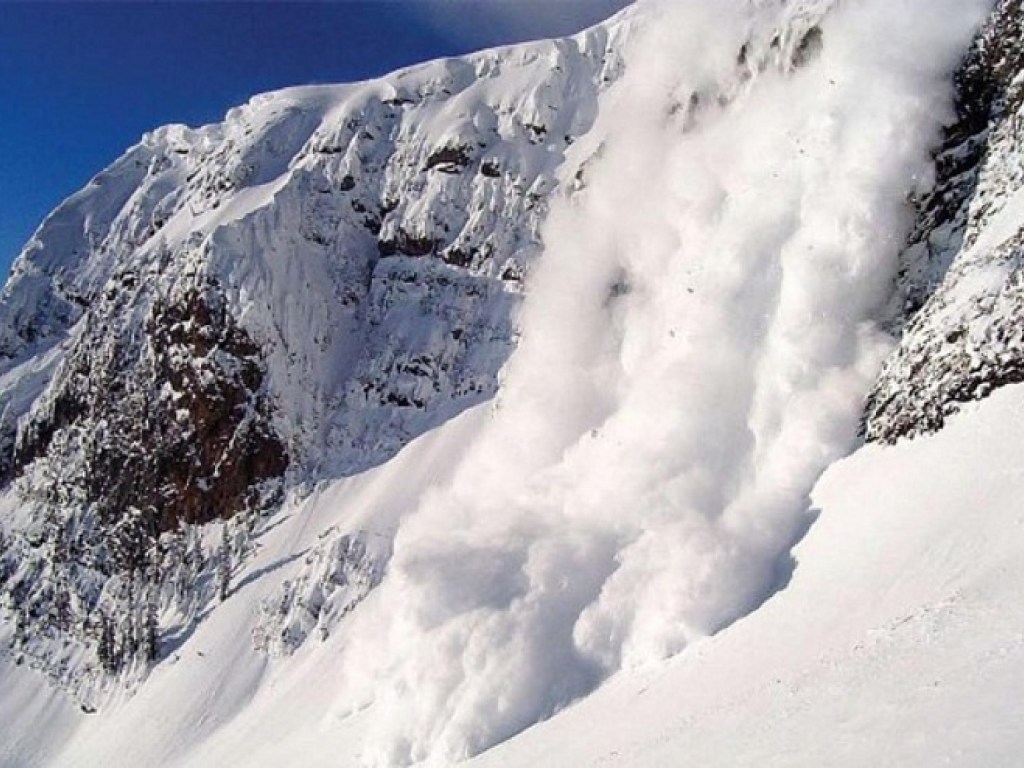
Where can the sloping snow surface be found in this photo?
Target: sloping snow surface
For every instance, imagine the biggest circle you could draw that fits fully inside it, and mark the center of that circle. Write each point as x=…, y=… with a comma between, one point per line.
x=899, y=641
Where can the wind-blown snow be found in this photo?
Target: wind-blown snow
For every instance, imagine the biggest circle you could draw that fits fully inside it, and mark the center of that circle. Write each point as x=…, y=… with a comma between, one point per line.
x=697, y=342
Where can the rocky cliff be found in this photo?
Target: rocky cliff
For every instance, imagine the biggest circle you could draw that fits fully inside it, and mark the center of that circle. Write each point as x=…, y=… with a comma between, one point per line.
x=960, y=285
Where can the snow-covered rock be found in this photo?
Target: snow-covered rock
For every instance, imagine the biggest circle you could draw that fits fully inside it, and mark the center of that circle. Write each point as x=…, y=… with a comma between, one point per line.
x=960, y=285
x=233, y=311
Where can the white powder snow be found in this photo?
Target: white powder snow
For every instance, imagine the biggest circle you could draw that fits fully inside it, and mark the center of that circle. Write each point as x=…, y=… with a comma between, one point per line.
x=696, y=345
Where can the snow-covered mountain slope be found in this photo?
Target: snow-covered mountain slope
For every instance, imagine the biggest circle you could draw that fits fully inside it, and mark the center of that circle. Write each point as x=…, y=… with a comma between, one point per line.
x=232, y=312
x=308, y=213
x=899, y=640
x=216, y=681
x=287, y=320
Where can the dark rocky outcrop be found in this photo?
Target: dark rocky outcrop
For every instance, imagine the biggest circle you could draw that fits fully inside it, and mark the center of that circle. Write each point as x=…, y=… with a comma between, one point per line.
x=173, y=423
x=962, y=293
x=451, y=159
x=407, y=244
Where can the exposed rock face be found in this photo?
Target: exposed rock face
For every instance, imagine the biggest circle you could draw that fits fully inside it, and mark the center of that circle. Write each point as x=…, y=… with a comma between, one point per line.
x=962, y=283
x=166, y=413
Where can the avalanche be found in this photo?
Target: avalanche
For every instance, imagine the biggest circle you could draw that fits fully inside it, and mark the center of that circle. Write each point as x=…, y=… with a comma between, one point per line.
x=699, y=331
x=696, y=345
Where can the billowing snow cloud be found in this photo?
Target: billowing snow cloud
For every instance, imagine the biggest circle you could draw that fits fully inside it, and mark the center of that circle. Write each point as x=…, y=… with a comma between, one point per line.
x=697, y=341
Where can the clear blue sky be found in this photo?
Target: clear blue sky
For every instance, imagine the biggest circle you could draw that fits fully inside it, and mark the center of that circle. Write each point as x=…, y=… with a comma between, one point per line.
x=81, y=82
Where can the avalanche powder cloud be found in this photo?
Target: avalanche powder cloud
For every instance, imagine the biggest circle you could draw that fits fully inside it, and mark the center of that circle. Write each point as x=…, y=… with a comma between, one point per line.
x=696, y=344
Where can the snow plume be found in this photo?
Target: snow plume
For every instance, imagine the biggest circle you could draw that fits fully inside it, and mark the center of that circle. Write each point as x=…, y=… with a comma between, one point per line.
x=696, y=345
